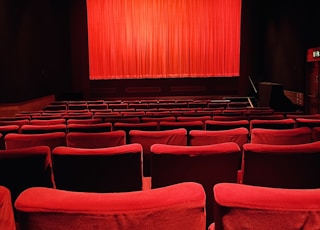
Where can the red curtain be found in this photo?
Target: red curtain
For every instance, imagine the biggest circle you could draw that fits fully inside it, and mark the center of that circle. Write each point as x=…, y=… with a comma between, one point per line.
x=163, y=38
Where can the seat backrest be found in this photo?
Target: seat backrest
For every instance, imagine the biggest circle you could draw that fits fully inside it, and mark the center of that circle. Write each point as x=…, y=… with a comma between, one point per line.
x=207, y=137
x=224, y=125
x=207, y=165
x=17, y=140
x=90, y=128
x=4, y=130
x=47, y=122
x=24, y=168
x=37, y=129
x=113, y=169
x=7, y=219
x=96, y=140
x=282, y=166
x=300, y=135
x=239, y=206
x=308, y=122
x=148, y=138
x=127, y=127
x=287, y=123
x=178, y=207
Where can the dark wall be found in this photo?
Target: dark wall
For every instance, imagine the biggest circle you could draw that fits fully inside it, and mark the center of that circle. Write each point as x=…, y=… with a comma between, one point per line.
x=44, y=50
x=288, y=29
x=35, y=48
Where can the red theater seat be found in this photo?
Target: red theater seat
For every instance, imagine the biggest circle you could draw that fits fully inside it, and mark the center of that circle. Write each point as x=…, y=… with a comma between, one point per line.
x=308, y=122
x=113, y=169
x=24, y=168
x=207, y=137
x=148, y=138
x=282, y=166
x=37, y=129
x=90, y=128
x=47, y=121
x=17, y=140
x=239, y=206
x=7, y=219
x=96, y=140
x=224, y=125
x=273, y=124
x=207, y=165
x=178, y=207
x=300, y=135
x=127, y=127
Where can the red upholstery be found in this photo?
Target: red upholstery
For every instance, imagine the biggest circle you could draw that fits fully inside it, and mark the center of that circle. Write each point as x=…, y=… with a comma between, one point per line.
x=113, y=169
x=148, y=138
x=7, y=219
x=194, y=118
x=223, y=125
x=283, y=166
x=229, y=117
x=47, y=122
x=127, y=127
x=90, y=128
x=207, y=165
x=308, y=122
x=188, y=125
x=17, y=122
x=16, y=140
x=316, y=134
x=273, y=124
x=300, y=135
x=266, y=116
x=24, y=168
x=36, y=129
x=4, y=130
x=206, y=137
x=239, y=206
x=178, y=207
x=96, y=140
x=84, y=121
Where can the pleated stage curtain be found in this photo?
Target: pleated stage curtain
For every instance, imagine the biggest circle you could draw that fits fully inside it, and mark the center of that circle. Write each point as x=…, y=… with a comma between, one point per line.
x=163, y=38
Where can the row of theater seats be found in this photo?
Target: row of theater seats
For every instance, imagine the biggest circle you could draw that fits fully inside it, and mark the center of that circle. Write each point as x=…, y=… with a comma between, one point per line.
x=174, y=207
x=120, y=168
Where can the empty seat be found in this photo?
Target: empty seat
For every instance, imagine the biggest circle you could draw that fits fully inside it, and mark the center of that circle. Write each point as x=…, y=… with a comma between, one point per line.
x=308, y=122
x=7, y=219
x=300, y=135
x=282, y=166
x=36, y=129
x=113, y=169
x=17, y=140
x=207, y=165
x=96, y=140
x=4, y=130
x=90, y=128
x=273, y=124
x=239, y=206
x=84, y=121
x=148, y=138
x=188, y=125
x=223, y=125
x=127, y=127
x=24, y=168
x=47, y=121
x=207, y=137
x=178, y=207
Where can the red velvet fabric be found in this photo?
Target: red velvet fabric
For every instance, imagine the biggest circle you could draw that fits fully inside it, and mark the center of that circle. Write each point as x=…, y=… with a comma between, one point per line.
x=90, y=128
x=96, y=140
x=84, y=121
x=239, y=206
x=300, y=135
x=16, y=140
x=223, y=125
x=24, y=168
x=206, y=164
x=308, y=122
x=283, y=166
x=206, y=137
x=37, y=129
x=47, y=122
x=316, y=134
x=178, y=207
x=113, y=169
x=148, y=138
x=287, y=123
x=7, y=219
